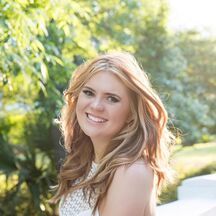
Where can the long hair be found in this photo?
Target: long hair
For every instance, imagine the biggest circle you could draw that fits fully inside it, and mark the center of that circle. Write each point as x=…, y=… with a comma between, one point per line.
x=146, y=136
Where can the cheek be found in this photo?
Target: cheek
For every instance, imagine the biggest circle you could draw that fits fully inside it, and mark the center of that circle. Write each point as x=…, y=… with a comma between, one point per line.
x=79, y=107
x=121, y=115
x=81, y=102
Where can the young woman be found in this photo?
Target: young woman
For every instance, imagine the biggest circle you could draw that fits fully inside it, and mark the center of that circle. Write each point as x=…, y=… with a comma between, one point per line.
x=114, y=127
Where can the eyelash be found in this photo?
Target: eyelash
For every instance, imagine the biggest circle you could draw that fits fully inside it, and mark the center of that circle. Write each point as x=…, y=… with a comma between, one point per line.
x=113, y=99
x=90, y=94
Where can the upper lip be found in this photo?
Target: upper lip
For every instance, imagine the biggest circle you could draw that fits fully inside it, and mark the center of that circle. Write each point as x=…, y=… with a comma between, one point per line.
x=96, y=116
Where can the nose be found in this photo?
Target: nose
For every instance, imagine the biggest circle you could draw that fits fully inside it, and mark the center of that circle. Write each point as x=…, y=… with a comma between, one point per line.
x=97, y=104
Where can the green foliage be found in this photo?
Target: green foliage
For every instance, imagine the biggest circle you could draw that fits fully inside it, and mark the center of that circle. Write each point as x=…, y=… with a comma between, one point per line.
x=185, y=85
x=29, y=173
x=8, y=163
x=201, y=82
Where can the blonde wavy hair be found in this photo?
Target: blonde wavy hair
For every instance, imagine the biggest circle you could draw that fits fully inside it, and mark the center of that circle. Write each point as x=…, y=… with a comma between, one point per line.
x=146, y=136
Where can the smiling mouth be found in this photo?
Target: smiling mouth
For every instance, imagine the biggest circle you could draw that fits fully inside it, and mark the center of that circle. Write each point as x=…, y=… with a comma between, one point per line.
x=95, y=119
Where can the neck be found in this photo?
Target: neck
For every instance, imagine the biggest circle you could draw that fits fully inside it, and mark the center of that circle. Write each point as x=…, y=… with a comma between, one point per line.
x=99, y=149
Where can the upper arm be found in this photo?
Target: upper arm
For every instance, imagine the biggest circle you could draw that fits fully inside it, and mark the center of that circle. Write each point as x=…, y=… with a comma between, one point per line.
x=130, y=192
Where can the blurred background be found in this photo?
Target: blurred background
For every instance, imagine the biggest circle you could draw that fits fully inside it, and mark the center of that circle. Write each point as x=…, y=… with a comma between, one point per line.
x=43, y=41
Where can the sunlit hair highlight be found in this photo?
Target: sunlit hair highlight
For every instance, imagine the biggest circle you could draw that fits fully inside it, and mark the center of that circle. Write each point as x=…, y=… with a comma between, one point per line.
x=145, y=136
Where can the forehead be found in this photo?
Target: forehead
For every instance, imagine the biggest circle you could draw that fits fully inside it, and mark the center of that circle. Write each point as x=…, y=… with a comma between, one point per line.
x=107, y=82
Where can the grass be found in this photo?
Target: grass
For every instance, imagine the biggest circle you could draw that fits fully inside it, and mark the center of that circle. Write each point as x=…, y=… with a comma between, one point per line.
x=199, y=159
x=193, y=158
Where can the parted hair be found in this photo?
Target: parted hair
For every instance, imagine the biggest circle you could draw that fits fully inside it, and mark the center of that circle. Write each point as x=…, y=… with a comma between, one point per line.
x=145, y=136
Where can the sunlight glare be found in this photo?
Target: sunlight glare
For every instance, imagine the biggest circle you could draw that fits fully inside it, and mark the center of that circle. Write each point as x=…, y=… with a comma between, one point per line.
x=199, y=14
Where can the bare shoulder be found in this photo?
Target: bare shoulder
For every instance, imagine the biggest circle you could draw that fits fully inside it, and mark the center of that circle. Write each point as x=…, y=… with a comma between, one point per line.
x=138, y=171
x=130, y=191
x=137, y=177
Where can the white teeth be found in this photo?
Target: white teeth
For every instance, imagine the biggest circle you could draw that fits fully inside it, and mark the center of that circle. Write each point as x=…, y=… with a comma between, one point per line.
x=95, y=119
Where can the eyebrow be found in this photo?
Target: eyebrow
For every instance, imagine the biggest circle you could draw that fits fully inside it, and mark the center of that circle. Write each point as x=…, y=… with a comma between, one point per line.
x=106, y=93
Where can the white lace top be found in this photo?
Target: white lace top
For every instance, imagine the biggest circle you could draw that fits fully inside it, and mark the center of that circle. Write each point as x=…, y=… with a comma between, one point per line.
x=75, y=204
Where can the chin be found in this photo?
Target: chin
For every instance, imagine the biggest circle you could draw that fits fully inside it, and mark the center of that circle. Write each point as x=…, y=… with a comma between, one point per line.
x=91, y=134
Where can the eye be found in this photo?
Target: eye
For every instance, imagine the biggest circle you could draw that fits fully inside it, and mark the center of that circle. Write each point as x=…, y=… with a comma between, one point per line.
x=88, y=93
x=113, y=99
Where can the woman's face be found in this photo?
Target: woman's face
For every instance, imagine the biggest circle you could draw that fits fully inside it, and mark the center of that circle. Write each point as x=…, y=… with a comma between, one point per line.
x=103, y=106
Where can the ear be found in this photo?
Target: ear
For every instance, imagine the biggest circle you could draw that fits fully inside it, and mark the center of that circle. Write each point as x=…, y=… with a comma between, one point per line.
x=130, y=119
